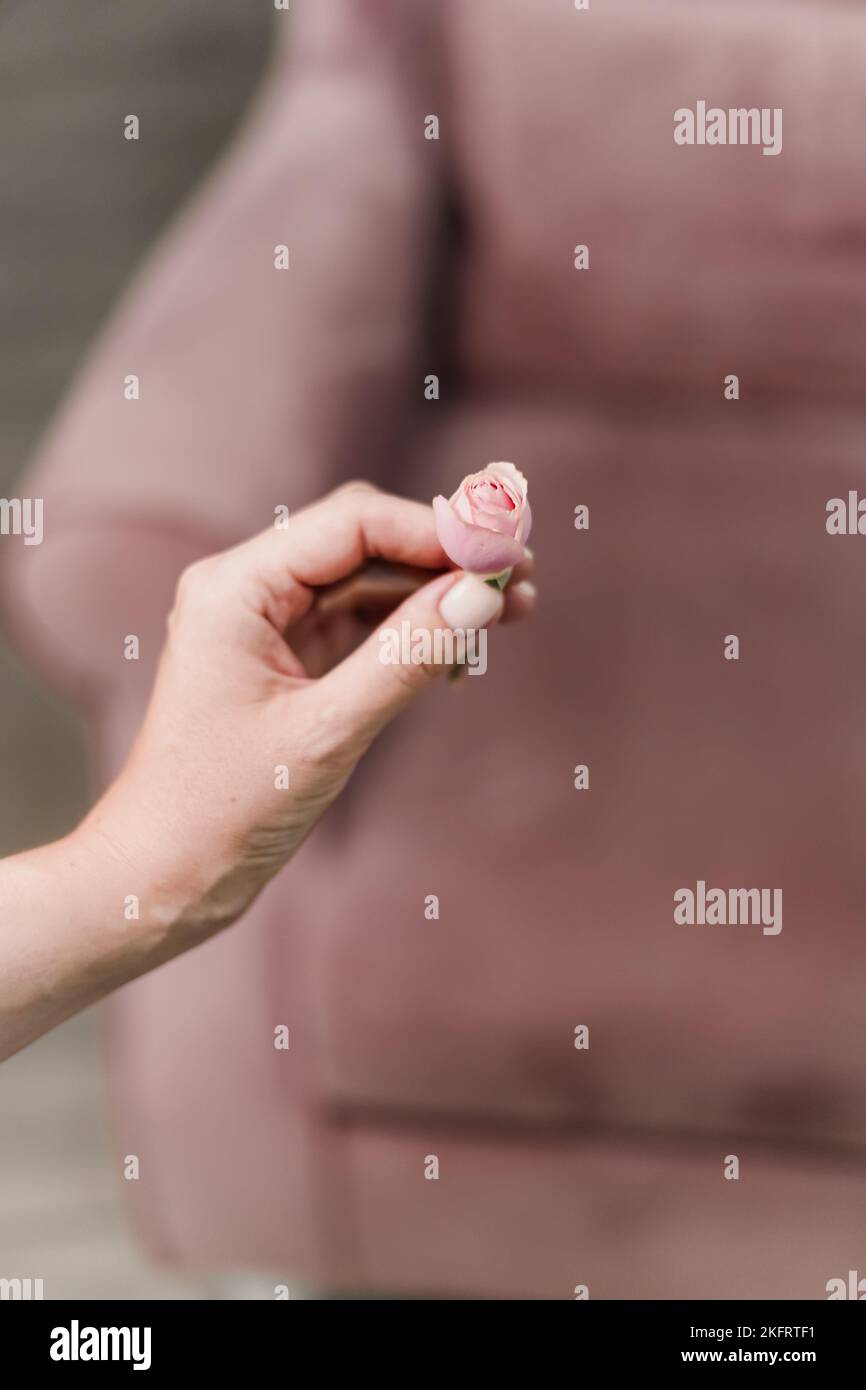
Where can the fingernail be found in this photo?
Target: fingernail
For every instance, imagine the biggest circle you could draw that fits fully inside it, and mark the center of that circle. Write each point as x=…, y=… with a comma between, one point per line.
x=471, y=603
x=526, y=588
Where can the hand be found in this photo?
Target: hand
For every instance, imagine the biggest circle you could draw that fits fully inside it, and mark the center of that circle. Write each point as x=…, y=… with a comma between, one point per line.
x=201, y=816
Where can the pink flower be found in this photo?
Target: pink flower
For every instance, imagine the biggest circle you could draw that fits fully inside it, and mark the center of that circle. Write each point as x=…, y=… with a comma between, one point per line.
x=485, y=525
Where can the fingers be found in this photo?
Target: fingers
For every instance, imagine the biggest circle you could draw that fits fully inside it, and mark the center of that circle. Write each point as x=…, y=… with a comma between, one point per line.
x=280, y=572
x=329, y=540
x=441, y=625
x=372, y=591
x=521, y=593
x=525, y=569
x=376, y=589
x=519, y=601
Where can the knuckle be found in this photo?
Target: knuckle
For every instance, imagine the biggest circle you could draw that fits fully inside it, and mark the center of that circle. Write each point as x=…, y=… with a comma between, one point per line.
x=190, y=581
x=323, y=734
x=191, y=585
x=412, y=677
x=355, y=487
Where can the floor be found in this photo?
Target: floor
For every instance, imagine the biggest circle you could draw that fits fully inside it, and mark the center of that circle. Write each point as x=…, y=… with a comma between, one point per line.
x=61, y=1218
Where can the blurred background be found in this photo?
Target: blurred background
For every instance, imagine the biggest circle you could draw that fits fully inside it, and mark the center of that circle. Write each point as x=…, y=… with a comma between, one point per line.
x=77, y=214
x=564, y=1168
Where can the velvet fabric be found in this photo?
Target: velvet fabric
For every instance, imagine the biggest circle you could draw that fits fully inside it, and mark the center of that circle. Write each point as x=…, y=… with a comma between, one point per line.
x=455, y=1037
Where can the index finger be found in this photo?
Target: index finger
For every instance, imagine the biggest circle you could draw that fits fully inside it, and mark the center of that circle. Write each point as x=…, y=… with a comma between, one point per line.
x=332, y=538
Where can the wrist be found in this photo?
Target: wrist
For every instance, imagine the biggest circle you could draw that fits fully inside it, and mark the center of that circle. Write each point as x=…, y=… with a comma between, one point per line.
x=101, y=918
x=158, y=874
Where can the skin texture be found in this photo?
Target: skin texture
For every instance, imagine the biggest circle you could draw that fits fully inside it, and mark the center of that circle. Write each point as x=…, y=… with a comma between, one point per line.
x=269, y=662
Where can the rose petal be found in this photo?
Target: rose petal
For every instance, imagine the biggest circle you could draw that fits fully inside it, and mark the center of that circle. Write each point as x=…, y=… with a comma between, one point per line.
x=474, y=548
x=524, y=526
x=508, y=472
x=505, y=523
x=461, y=504
x=493, y=496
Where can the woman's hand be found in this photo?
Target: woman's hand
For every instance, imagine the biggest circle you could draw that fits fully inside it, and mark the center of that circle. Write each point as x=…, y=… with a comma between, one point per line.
x=244, y=745
x=246, y=742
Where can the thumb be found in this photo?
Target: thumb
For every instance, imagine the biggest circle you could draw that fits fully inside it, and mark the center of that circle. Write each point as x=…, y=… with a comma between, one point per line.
x=440, y=626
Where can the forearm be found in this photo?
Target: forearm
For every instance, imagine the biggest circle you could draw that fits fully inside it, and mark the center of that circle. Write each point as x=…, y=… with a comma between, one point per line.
x=75, y=924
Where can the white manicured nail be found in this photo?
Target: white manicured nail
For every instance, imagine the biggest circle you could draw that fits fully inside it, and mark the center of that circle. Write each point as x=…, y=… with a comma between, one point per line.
x=471, y=603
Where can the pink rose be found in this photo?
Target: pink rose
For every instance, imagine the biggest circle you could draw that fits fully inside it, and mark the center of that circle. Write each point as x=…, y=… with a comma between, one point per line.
x=485, y=525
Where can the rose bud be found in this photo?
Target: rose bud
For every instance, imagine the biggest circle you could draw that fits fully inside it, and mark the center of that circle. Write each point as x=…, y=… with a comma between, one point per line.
x=483, y=528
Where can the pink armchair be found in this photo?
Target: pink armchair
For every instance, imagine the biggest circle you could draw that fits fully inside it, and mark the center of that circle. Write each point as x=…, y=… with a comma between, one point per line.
x=558, y=1166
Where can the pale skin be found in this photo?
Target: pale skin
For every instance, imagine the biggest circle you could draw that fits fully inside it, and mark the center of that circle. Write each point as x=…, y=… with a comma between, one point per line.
x=269, y=662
